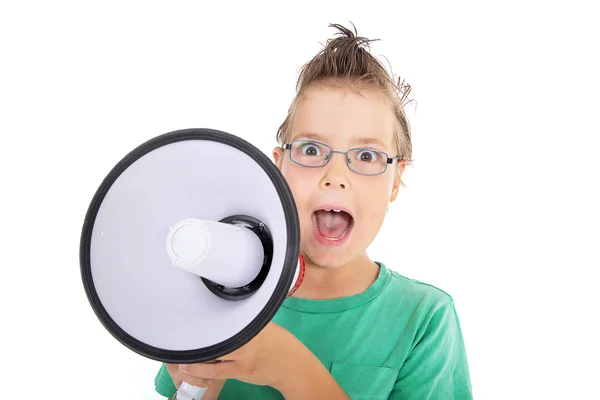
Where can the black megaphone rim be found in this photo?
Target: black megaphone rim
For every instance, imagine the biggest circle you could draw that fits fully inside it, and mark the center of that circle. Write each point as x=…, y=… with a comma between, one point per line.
x=292, y=249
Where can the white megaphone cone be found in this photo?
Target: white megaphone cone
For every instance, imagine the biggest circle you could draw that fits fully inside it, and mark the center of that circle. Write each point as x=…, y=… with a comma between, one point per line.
x=206, y=217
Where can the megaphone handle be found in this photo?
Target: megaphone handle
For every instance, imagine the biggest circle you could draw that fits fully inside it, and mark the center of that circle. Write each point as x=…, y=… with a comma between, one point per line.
x=189, y=392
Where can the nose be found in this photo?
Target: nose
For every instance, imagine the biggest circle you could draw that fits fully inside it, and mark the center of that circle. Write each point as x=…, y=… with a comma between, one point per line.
x=336, y=173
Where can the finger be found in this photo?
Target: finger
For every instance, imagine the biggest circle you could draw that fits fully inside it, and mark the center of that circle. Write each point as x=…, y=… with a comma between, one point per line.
x=195, y=380
x=219, y=370
x=178, y=376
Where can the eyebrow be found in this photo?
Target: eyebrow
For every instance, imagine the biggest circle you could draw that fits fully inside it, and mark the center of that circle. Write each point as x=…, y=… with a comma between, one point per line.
x=365, y=141
x=359, y=140
x=311, y=136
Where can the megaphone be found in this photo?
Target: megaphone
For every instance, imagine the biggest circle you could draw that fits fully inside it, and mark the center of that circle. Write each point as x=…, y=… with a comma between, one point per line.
x=189, y=247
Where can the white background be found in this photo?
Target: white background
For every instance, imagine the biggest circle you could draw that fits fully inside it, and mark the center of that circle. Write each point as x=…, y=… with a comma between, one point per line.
x=501, y=208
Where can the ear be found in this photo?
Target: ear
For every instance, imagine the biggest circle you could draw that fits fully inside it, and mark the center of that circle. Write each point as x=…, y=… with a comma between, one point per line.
x=400, y=167
x=277, y=153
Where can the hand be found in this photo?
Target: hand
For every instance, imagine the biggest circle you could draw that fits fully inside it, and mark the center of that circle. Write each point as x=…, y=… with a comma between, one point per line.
x=214, y=386
x=272, y=358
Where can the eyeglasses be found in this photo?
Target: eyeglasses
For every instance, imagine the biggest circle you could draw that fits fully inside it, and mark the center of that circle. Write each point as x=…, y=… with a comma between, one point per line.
x=363, y=161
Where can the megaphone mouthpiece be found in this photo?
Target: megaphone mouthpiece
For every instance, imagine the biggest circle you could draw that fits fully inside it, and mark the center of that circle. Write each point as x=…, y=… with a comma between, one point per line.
x=227, y=254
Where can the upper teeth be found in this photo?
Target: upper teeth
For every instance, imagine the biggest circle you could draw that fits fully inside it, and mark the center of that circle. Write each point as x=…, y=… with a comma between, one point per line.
x=328, y=209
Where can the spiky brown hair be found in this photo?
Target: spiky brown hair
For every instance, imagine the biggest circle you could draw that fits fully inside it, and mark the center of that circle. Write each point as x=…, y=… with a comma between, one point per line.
x=346, y=60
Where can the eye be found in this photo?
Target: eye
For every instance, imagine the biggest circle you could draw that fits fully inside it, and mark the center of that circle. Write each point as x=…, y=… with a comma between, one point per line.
x=368, y=156
x=310, y=149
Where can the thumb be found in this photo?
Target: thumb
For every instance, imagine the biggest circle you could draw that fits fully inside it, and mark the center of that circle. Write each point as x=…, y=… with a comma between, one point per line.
x=214, y=389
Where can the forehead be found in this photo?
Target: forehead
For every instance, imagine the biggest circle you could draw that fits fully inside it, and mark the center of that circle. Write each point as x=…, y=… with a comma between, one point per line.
x=343, y=117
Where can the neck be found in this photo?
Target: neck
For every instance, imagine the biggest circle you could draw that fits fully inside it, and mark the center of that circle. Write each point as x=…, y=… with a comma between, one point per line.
x=321, y=282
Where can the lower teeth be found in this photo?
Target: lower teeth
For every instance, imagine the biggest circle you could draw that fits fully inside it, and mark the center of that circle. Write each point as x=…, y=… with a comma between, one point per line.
x=337, y=238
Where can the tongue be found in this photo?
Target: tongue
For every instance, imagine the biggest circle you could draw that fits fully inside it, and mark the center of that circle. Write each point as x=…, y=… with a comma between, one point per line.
x=332, y=224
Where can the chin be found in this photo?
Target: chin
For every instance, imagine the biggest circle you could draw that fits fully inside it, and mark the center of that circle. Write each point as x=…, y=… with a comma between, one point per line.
x=328, y=258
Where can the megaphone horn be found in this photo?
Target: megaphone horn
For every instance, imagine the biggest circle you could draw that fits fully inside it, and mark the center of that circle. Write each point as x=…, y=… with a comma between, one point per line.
x=189, y=247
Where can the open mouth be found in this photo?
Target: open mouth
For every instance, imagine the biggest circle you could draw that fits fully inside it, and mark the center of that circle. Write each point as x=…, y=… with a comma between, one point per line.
x=332, y=225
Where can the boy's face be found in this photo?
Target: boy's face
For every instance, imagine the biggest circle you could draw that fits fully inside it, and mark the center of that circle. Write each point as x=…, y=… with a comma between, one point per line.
x=342, y=119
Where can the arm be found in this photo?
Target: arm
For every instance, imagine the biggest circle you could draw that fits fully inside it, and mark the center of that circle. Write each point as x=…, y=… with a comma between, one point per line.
x=437, y=366
x=275, y=358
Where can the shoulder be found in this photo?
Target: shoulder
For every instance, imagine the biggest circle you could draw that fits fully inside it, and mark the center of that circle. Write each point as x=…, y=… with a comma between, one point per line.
x=422, y=310
x=413, y=293
x=430, y=350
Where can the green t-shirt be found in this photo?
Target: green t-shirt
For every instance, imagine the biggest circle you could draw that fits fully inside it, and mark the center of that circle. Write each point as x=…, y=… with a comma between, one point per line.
x=399, y=339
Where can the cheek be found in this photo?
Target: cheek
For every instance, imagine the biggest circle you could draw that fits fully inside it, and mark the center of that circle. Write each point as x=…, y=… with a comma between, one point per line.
x=377, y=204
x=375, y=200
x=300, y=183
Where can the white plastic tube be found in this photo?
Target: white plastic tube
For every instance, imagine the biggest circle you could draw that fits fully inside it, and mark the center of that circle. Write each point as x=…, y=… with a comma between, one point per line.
x=227, y=254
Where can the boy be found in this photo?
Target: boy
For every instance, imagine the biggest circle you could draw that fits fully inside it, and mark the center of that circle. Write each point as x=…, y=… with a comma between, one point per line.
x=355, y=329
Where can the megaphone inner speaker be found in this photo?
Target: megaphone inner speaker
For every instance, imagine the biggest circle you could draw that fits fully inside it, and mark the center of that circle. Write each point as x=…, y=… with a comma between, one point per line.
x=237, y=293
x=129, y=245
